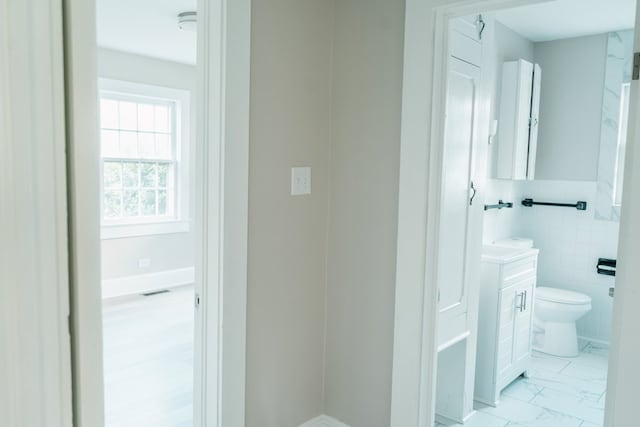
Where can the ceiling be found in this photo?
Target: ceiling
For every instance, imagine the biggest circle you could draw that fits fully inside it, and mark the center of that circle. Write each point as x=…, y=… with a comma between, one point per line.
x=561, y=19
x=149, y=27
x=146, y=27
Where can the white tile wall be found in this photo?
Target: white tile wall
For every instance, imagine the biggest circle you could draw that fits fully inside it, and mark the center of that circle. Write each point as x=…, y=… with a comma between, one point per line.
x=570, y=241
x=503, y=223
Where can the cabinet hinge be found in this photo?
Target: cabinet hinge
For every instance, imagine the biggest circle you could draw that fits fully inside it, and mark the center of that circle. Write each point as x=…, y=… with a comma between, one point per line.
x=636, y=66
x=480, y=26
x=197, y=301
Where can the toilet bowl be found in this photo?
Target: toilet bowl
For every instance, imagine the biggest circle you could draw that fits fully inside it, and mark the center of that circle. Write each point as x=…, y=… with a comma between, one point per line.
x=555, y=314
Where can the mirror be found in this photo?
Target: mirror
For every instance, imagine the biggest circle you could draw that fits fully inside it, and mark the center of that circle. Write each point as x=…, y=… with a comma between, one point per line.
x=582, y=108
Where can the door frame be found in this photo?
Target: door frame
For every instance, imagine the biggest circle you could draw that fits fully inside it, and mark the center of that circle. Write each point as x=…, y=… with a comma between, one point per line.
x=35, y=360
x=224, y=37
x=422, y=126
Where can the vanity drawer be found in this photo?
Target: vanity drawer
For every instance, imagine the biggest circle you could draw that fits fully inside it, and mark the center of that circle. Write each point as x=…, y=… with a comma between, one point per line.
x=517, y=270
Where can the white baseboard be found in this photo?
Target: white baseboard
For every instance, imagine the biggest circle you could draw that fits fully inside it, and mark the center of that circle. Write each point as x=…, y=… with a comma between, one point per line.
x=582, y=340
x=447, y=420
x=324, y=421
x=133, y=285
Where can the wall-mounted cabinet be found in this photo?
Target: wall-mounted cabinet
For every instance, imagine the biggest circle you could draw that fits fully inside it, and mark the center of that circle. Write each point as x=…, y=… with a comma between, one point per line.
x=518, y=122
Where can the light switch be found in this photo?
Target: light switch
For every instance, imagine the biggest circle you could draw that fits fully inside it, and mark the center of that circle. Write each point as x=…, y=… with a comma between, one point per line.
x=300, y=181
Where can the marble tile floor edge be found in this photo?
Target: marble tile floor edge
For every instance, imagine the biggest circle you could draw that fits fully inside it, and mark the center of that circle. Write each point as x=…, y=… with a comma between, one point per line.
x=560, y=392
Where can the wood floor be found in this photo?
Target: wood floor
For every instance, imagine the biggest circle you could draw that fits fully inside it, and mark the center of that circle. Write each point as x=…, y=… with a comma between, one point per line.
x=148, y=360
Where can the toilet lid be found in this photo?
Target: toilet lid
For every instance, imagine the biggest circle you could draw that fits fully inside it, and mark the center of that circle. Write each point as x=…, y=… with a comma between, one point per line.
x=561, y=296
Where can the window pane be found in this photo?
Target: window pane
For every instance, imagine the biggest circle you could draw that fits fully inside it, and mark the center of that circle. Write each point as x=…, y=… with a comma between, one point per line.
x=162, y=202
x=163, y=174
x=146, y=145
x=109, y=114
x=109, y=142
x=145, y=117
x=112, y=204
x=112, y=175
x=148, y=202
x=131, y=203
x=138, y=143
x=128, y=115
x=129, y=144
x=162, y=119
x=163, y=146
x=148, y=175
x=130, y=175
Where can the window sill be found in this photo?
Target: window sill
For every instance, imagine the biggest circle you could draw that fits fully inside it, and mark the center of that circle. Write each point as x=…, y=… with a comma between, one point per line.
x=145, y=229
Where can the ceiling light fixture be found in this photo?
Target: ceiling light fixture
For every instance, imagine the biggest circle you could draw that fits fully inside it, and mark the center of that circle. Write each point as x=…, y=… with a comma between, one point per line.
x=188, y=21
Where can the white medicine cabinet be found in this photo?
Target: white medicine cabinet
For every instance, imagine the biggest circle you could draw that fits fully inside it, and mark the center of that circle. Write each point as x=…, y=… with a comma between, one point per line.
x=518, y=123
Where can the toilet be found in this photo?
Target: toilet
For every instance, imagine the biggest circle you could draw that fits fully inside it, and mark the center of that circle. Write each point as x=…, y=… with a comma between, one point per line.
x=555, y=314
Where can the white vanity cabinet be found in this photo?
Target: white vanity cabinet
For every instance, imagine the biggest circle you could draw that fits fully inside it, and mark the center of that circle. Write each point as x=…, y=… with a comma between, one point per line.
x=505, y=320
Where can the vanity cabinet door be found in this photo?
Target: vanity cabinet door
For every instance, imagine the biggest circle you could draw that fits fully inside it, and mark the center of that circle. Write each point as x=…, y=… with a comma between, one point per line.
x=523, y=320
x=506, y=329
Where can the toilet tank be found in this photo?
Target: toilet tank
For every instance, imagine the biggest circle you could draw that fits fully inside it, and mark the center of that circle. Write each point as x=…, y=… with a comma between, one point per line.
x=516, y=242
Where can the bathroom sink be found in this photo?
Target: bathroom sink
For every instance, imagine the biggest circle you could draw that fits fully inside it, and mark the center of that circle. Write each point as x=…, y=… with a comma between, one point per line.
x=503, y=254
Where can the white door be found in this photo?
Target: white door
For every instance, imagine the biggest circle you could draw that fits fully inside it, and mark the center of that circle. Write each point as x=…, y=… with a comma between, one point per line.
x=457, y=189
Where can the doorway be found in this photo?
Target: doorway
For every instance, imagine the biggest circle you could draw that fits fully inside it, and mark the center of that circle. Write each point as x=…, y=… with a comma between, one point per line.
x=147, y=68
x=413, y=401
x=215, y=212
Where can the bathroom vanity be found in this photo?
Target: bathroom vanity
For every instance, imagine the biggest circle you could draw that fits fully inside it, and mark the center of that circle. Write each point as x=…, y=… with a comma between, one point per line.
x=505, y=320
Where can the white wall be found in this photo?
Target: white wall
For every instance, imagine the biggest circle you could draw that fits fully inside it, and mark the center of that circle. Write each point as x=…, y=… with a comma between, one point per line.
x=290, y=126
x=570, y=107
x=367, y=87
x=166, y=251
x=570, y=243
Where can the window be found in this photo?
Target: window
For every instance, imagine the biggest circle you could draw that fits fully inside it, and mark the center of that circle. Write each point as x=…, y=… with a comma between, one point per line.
x=622, y=143
x=143, y=154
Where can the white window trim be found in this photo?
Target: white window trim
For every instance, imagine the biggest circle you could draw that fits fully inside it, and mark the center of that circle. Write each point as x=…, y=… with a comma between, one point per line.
x=182, y=221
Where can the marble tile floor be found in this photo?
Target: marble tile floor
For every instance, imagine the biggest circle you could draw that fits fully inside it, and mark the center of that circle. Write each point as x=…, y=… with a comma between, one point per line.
x=560, y=392
x=148, y=360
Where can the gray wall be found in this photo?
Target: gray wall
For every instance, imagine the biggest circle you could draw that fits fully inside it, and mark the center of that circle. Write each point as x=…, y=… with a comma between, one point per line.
x=290, y=126
x=367, y=87
x=570, y=107
x=166, y=251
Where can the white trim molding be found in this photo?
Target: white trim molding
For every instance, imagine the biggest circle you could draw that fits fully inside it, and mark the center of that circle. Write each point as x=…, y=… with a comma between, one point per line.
x=35, y=355
x=324, y=421
x=220, y=217
x=150, y=282
x=109, y=232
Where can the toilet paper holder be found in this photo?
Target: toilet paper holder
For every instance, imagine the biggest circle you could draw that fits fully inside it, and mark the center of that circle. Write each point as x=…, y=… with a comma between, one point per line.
x=606, y=266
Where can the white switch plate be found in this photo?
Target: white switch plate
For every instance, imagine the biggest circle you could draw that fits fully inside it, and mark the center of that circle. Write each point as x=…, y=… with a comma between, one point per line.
x=300, y=181
x=144, y=262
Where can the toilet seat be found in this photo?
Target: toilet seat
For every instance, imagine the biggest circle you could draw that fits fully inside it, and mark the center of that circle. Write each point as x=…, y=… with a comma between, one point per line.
x=562, y=296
